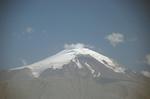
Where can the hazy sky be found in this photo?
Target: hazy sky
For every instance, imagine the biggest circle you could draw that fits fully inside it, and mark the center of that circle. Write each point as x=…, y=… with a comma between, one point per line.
x=32, y=30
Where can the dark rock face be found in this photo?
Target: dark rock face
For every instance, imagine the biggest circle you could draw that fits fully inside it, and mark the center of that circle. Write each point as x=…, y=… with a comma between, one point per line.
x=72, y=69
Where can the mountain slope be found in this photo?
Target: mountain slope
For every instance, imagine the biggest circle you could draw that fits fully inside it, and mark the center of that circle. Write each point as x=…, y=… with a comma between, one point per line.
x=73, y=74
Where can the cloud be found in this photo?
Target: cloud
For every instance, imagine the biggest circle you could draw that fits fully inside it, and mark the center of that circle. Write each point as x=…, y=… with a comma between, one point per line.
x=147, y=59
x=77, y=45
x=24, y=62
x=115, y=38
x=29, y=29
x=146, y=73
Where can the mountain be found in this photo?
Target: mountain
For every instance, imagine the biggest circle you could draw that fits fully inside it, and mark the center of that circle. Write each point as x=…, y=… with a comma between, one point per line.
x=78, y=73
x=80, y=58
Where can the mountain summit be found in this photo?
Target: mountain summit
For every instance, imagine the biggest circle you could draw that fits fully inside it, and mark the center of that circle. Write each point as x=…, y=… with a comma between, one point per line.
x=67, y=56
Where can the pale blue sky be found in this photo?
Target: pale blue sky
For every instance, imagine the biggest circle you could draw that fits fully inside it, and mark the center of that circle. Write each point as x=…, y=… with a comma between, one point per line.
x=35, y=29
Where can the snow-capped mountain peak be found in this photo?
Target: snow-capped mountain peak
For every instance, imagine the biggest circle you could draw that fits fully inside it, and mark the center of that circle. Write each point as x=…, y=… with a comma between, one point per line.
x=66, y=56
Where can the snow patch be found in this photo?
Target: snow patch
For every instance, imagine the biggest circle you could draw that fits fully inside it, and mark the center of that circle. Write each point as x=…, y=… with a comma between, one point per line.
x=78, y=63
x=90, y=68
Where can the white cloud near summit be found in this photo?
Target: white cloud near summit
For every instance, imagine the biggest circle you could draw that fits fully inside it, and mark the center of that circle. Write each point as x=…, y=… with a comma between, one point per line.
x=77, y=45
x=115, y=38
